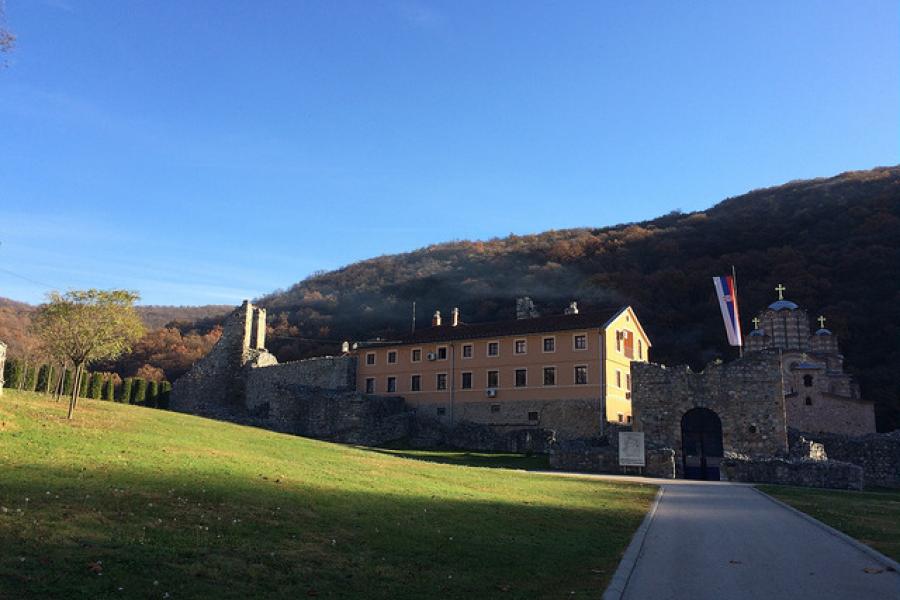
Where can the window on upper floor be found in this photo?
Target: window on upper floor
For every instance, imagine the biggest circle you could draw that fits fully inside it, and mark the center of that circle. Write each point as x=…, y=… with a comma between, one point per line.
x=618, y=341
x=581, y=375
x=415, y=383
x=493, y=379
x=549, y=375
x=640, y=350
x=441, y=381
x=392, y=357
x=467, y=351
x=442, y=353
x=416, y=355
x=580, y=342
x=391, y=384
x=370, y=358
x=466, y=381
x=628, y=344
x=549, y=344
x=628, y=381
x=521, y=347
x=807, y=381
x=618, y=379
x=493, y=349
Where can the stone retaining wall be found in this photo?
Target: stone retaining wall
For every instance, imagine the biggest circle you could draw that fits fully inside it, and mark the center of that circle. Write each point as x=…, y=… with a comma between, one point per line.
x=598, y=456
x=877, y=453
x=801, y=472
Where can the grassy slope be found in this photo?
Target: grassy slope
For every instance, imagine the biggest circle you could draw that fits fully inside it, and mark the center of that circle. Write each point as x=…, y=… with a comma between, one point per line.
x=872, y=517
x=169, y=503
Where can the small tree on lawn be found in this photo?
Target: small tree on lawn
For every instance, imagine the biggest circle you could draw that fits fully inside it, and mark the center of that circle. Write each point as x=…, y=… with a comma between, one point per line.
x=87, y=326
x=139, y=391
x=109, y=388
x=45, y=379
x=68, y=383
x=95, y=390
x=125, y=390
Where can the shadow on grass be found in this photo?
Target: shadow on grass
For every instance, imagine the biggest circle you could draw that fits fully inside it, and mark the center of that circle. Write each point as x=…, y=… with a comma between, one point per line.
x=103, y=532
x=493, y=460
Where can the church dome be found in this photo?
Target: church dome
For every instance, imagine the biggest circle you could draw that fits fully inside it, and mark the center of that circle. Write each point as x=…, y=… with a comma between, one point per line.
x=783, y=305
x=823, y=331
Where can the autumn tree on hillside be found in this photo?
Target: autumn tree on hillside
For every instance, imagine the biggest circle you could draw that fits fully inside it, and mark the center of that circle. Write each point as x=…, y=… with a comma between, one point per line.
x=86, y=326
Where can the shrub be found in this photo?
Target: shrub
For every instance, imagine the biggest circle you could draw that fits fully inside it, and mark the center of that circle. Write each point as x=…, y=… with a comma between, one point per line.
x=109, y=388
x=95, y=387
x=152, y=393
x=125, y=390
x=165, y=390
x=68, y=382
x=30, y=378
x=45, y=379
x=12, y=373
x=139, y=391
x=83, y=387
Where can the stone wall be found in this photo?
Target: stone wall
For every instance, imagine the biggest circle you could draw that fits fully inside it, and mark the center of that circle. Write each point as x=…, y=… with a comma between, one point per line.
x=570, y=419
x=430, y=433
x=877, y=453
x=746, y=394
x=599, y=456
x=802, y=472
x=829, y=413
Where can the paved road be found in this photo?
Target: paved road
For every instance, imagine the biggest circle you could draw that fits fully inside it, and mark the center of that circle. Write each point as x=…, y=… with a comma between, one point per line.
x=726, y=541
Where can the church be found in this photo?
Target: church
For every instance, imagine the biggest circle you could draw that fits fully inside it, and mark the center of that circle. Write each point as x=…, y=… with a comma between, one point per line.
x=819, y=397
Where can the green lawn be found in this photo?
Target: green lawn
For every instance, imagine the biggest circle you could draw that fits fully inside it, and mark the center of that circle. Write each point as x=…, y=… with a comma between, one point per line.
x=496, y=460
x=872, y=517
x=130, y=502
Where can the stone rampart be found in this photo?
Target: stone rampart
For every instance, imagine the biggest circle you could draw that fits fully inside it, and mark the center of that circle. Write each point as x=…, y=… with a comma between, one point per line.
x=746, y=395
x=599, y=456
x=877, y=453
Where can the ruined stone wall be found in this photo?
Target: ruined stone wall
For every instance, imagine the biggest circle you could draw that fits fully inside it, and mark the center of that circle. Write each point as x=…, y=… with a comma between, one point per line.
x=598, y=456
x=570, y=419
x=877, y=453
x=746, y=394
x=808, y=473
x=828, y=413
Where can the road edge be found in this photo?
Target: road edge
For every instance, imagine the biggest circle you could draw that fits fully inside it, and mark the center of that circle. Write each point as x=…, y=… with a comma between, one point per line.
x=872, y=553
x=619, y=582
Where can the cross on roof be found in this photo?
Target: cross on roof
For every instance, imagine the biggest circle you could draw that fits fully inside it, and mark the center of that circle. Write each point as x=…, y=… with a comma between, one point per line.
x=821, y=321
x=755, y=322
x=780, y=289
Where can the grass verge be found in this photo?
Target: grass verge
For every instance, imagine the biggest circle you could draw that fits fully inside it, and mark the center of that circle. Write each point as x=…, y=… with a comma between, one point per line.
x=872, y=517
x=125, y=501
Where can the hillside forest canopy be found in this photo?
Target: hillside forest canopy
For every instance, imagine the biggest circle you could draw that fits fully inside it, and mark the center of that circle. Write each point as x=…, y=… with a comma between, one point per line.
x=833, y=242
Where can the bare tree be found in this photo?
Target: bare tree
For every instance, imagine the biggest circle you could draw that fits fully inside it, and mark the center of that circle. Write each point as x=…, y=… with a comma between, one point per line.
x=7, y=39
x=82, y=327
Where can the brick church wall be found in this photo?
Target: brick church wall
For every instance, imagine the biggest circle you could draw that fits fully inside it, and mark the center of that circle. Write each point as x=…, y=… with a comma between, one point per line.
x=746, y=394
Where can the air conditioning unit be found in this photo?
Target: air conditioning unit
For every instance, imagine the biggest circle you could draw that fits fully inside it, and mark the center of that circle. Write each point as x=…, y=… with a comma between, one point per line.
x=492, y=392
x=431, y=356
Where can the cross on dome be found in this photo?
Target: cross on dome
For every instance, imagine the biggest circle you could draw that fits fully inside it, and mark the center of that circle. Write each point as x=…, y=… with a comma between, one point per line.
x=821, y=321
x=755, y=322
x=780, y=289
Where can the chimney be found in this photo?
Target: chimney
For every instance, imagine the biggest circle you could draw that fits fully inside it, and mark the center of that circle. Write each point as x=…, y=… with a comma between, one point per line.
x=573, y=308
x=455, y=317
x=436, y=319
x=525, y=308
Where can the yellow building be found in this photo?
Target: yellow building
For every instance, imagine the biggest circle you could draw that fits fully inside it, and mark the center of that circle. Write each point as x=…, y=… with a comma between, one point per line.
x=568, y=372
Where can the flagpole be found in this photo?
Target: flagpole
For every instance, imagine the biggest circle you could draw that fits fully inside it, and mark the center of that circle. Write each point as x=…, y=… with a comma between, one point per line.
x=734, y=279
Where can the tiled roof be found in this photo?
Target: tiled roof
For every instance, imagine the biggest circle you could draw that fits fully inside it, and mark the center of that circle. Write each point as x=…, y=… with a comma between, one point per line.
x=466, y=331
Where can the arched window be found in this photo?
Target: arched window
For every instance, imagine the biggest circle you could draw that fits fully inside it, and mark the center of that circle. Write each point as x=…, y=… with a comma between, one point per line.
x=807, y=381
x=808, y=401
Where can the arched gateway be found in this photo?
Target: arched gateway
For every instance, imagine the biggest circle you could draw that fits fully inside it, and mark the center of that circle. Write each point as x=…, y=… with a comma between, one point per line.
x=701, y=444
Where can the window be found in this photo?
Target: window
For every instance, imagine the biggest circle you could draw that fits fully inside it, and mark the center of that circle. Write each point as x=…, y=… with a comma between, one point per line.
x=495, y=408
x=532, y=415
x=580, y=341
x=493, y=379
x=581, y=375
x=391, y=384
x=549, y=375
x=807, y=381
x=521, y=377
x=442, y=353
x=370, y=358
x=628, y=419
x=466, y=381
x=441, y=411
x=416, y=355
x=493, y=349
x=628, y=340
x=549, y=344
x=808, y=401
x=618, y=379
x=640, y=350
x=415, y=383
x=521, y=347
x=441, y=381
x=392, y=357
x=618, y=341
x=752, y=429
x=370, y=385
x=628, y=381
x=467, y=351
x=621, y=418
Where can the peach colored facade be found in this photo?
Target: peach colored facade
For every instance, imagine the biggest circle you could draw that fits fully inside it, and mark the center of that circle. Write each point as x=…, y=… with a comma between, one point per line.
x=562, y=378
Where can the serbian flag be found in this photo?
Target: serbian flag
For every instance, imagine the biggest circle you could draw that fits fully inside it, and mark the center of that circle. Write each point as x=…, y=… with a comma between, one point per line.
x=727, y=294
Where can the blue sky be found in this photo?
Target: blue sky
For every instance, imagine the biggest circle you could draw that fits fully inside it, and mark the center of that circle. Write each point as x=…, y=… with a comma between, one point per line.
x=206, y=151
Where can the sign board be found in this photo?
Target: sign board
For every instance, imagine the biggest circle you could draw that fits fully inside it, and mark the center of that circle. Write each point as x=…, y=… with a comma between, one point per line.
x=631, y=449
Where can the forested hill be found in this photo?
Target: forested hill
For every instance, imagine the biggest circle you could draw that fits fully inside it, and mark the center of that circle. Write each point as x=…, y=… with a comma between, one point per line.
x=834, y=243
